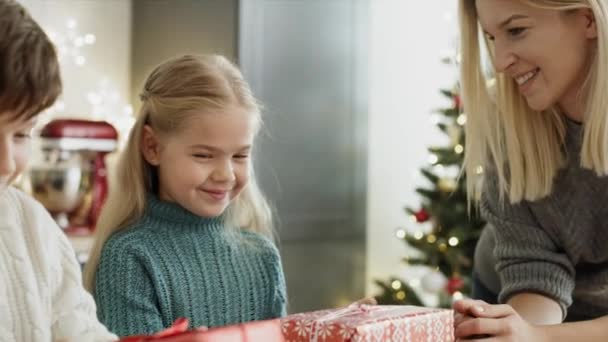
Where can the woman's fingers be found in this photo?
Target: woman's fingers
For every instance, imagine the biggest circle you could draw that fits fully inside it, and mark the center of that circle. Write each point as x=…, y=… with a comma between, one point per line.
x=479, y=308
x=483, y=326
x=493, y=311
x=465, y=306
x=479, y=339
x=459, y=318
x=368, y=301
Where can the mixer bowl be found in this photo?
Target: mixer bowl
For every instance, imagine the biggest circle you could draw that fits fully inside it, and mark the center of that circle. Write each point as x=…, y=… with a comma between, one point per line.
x=60, y=188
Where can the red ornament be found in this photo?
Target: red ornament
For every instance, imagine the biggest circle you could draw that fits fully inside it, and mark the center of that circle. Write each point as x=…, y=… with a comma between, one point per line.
x=422, y=216
x=454, y=284
x=457, y=102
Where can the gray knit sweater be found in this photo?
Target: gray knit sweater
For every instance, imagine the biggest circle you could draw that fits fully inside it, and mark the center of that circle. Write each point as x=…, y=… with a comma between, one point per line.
x=556, y=246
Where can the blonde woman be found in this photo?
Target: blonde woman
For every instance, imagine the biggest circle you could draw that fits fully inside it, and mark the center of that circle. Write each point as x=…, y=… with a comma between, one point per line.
x=540, y=134
x=187, y=233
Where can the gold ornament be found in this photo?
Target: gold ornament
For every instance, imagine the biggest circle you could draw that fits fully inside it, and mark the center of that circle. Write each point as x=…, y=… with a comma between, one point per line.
x=447, y=184
x=455, y=132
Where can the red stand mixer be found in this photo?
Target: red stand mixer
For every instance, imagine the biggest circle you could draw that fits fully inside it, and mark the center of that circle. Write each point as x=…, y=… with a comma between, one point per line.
x=71, y=179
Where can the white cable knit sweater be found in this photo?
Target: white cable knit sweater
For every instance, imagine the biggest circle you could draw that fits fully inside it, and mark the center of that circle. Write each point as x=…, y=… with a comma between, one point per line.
x=41, y=293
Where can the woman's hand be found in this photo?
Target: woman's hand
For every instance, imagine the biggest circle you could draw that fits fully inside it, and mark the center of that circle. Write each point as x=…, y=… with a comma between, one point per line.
x=367, y=300
x=478, y=321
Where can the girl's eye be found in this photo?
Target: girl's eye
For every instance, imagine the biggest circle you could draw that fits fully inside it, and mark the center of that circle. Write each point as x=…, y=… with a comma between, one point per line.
x=490, y=37
x=516, y=31
x=241, y=156
x=202, y=156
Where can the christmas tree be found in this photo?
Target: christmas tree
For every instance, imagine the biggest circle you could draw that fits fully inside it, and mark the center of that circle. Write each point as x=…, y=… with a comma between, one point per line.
x=448, y=247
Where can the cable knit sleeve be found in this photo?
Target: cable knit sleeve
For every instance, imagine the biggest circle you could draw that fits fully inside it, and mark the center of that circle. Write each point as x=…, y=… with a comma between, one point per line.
x=279, y=307
x=73, y=308
x=528, y=258
x=124, y=290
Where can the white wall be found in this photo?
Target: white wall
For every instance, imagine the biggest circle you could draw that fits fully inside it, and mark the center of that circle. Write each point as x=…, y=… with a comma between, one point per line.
x=407, y=44
x=106, y=71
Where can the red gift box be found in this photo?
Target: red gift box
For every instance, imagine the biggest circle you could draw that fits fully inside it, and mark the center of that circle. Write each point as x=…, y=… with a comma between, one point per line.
x=248, y=332
x=371, y=323
x=259, y=331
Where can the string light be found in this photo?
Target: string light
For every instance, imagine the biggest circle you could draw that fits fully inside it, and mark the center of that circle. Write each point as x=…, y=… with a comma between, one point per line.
x=453, y=241
x=79, y=60
x=400, y=233
x=443, y=247
x=105, y=100
x=431, y=238
x=106, y=104
x=418, y=235
x=459, y=149
x=400, y=295
x=396, y=284
x=433, y=159
x=457, y=295
x=479, y=170
x=462, y=119
x=70, y=43
x=89, y=38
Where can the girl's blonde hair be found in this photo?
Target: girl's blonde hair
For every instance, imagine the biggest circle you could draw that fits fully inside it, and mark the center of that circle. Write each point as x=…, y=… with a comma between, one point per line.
x=175, y=91
x=504, y=133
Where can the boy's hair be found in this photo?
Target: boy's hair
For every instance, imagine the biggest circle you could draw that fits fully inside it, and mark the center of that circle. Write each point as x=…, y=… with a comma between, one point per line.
x=29, y=70
x=175, y=91
x=522, y=146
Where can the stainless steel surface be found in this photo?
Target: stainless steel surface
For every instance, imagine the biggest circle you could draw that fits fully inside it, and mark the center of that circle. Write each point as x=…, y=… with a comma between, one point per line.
x=167, y=28
x=58, y=188
x=59, y=180
x=323, y=273
x=307, y=62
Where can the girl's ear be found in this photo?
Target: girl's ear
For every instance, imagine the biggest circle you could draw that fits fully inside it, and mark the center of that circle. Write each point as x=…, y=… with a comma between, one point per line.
x=150, y=146
x=591, y=28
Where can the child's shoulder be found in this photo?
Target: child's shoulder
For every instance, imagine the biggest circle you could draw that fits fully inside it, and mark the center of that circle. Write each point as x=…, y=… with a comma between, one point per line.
x=19, y=209
x=131, y=238
x=17, y=202
x=260, y=242
x=29, y=226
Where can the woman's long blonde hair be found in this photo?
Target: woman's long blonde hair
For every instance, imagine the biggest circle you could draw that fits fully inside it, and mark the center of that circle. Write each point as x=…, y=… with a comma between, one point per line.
x=502, y=130
x=174, y=91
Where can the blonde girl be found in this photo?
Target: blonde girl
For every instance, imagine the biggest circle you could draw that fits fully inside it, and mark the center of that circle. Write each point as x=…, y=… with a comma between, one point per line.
x=187, y=233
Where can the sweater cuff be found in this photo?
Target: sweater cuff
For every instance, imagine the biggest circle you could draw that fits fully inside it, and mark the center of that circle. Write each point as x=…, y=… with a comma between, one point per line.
x=542, y=278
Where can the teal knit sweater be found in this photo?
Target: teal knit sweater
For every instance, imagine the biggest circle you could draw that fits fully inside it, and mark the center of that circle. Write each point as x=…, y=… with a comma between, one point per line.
x=173, y=264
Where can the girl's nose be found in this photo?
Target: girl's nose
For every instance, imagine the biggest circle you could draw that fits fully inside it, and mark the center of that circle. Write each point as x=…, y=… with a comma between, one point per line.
x=224, y=172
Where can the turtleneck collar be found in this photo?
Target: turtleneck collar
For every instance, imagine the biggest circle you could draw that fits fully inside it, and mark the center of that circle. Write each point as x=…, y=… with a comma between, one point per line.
x=173, y=215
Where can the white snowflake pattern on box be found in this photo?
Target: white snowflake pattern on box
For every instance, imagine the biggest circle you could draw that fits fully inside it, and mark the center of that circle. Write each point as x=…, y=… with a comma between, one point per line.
x=371, y=323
